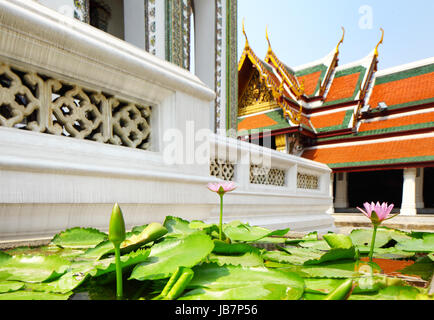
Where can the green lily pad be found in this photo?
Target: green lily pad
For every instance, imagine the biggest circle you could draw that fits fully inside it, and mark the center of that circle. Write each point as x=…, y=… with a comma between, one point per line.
x=423, y=267
x=363, y=237
x=338, y=241
x=221, y=247
x=244, y=232
x=176, y=225
x=32, y=268
x=171, y=253
x=79, y=238
x=9, y=286
x=211, y=281
x=34, y=295
x=321, y=286
x=248, y=259
x=315, y=244
x=426, y=244
x=393, y=293
x=306, y=256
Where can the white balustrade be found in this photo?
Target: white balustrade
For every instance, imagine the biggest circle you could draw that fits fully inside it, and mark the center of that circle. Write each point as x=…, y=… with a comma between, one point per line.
x=87, y=119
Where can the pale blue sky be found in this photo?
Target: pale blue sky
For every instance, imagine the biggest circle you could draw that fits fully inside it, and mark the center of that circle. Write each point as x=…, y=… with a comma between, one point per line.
x=301, y=31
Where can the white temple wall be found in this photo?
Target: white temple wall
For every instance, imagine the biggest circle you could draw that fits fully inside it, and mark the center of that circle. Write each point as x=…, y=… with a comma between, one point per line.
x=50, y=182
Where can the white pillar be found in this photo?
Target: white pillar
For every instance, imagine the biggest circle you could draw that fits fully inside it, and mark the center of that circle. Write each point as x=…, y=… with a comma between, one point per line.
x=408, y=205
x=134, y=22
x=331, y=209
x=341, y=198
x=419, y=188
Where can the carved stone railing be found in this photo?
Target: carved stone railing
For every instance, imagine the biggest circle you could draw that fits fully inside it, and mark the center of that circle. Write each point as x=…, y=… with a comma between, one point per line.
x=307, y=181
x=36, y=102
x=267, y=176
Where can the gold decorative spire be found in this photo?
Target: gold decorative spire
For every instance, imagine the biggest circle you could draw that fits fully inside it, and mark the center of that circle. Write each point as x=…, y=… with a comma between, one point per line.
x=340, y=41
x=268, y=40
x=245, y=35
x=380, y=42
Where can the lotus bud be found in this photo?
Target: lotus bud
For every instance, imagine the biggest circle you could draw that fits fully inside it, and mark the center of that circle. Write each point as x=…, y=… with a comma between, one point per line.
x=117, y=225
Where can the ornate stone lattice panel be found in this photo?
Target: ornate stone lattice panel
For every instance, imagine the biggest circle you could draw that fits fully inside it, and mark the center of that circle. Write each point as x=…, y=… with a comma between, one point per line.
x=222, y=169
x=268, y=176
x=35, y=102
x=307, y=181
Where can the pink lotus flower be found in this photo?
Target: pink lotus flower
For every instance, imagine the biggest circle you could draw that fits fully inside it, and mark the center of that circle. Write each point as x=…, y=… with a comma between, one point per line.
x=222, y=187
x=377, y=213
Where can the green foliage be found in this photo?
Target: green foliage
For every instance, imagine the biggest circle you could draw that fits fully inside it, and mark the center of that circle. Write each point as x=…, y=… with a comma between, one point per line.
x=79, y=238
x=183, y=260
x=237, y=231
x=171, y=253
x=212, y=282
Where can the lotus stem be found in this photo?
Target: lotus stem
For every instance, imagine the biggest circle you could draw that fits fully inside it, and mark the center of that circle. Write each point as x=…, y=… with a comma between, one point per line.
x=117, y=236
x=374, y=234
x=341, y=292
x=221, y=217
x=119, y=293
x=176, y=284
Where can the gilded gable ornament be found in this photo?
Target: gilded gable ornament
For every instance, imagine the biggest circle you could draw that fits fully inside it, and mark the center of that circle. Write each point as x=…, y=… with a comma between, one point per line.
x=256, y=93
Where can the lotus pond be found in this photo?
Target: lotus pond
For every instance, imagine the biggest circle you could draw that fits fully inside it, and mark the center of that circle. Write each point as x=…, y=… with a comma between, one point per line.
x=185, y=260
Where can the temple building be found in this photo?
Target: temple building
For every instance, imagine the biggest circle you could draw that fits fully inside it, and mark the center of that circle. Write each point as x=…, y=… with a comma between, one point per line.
x=374, y=128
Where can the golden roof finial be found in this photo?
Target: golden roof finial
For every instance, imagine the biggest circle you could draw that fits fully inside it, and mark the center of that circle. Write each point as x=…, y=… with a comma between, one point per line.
x=381, y=41
x=268, y=40
x=340, y=41
x=245, y=35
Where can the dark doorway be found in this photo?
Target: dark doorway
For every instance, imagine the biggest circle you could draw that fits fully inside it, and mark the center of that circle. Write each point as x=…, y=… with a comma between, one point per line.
x=428, y=187
x=382, y=186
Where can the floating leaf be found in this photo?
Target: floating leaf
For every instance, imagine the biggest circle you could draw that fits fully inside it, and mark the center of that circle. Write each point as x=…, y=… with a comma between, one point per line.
x=32, y=268
x=386, y=253
x=177, y=225
x=34, y=295
x=244, y=232
x=79, y=238
x=307, y=256
x=248, y=259
x=9, y=286
x=426, y=244
x=393, y=293
x=171, y=253
x=338, y=241
x=322, y=286
x=363, y=237
x=221, y=247
x=334, y=269
x=423, y=267
x=317, y=244
x=243, y=283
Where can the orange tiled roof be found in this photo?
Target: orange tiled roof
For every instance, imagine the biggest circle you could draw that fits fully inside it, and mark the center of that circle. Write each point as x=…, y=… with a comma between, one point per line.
x=397, y=122
x=310, y=82
x=343, y=87
x=328, y=120
x=402, y=91
x=254, y=122
x=380, y=152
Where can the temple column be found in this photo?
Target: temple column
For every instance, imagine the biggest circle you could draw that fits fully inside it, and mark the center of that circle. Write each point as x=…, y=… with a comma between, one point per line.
x=419, y=188
x=341, y=196
x=408, y=205
x=331, y=209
